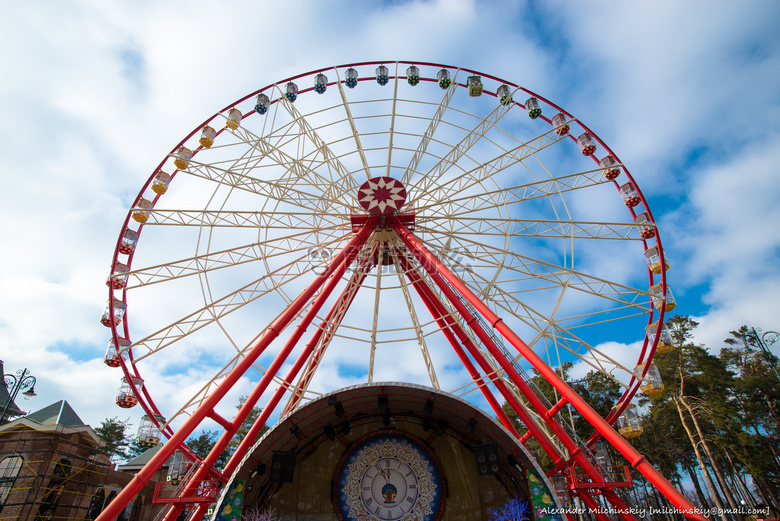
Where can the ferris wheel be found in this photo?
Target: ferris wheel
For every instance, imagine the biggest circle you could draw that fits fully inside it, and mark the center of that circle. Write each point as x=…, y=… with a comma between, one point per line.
x=390, y=221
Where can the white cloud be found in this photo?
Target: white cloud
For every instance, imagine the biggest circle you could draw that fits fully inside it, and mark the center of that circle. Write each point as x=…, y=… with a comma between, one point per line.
x=728, y=235
x=619, y=359
x=97, y=94
x=655, y=97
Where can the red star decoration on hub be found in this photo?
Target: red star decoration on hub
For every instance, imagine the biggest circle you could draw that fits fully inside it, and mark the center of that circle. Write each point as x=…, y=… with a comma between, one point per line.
x=382, y=195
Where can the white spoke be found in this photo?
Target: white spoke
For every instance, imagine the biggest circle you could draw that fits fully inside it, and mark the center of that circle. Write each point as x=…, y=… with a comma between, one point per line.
x=237, y=219
x=207, y=315
x=527, y=268
x=458, y=206
x=510, y=204
x=415, y=320
x=428, y=135
x=214, y=260
x=331, y=328
x=340, y=183
x=432, y=177
x=487, y=169
x=538, y=228
x=355, y=134
x=375, y=320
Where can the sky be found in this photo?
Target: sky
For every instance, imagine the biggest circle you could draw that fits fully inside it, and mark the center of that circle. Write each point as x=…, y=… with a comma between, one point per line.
x=95, y=94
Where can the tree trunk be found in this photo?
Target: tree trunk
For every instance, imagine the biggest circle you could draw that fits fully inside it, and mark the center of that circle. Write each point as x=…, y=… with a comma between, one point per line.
x=762, y=441
x=713, y=462
x=647, y=498
x=767, y=492
x=697, y=486
x=763, y=497
x=740, y=484
x=772, y=410
x=767, y=488
x=700, y=459
x=772, y=450
x=659, y=502
x=677, y=516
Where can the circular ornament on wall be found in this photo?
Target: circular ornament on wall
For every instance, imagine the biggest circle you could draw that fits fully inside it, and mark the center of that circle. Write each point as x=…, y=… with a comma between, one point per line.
x=389, y=477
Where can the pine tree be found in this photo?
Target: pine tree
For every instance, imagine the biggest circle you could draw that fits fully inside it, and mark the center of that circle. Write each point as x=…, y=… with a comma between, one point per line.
x=757, y=394
x=601, y=392
x=246, y=425
x=701, y=387
x=114, y=434
x=202, y=444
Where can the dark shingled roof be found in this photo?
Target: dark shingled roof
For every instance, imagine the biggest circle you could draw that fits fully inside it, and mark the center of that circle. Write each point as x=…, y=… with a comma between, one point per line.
x=142, y=459
x=58, y=413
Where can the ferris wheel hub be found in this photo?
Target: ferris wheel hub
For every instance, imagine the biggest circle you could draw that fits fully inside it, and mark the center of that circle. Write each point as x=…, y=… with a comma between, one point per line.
x=382, y=195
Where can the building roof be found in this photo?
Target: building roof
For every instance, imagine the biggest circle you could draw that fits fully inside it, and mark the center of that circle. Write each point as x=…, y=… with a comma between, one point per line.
x=58, y=416
x=58, y=413
x=381, y=408
x=140, y=460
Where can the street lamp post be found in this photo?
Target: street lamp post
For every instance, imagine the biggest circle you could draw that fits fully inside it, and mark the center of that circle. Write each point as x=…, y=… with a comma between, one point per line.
x=763, y=342
x=15, y=383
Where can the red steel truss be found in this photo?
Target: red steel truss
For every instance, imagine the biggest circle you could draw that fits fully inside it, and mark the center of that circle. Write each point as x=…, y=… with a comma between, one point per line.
x=454, y=307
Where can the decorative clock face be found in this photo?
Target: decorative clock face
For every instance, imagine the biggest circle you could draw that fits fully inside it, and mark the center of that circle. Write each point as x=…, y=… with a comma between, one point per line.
x=389, y=478
x=389, y=488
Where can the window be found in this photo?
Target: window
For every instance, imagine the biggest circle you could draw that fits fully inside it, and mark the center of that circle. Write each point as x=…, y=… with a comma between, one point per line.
x=96, y=504
x=53, y=492
x=124, y=515
x=9, y=469
x=110, y=498
x=138, y=503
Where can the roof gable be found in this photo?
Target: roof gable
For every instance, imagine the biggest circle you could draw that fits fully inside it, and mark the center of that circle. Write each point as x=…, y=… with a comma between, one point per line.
x=58, y=413
x=142, y=459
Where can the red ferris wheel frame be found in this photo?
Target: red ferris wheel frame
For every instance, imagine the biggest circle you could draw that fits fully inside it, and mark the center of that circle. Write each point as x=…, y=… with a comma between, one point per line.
x=460, y=297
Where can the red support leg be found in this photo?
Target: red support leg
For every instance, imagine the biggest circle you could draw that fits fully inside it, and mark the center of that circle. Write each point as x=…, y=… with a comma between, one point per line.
x=446, y=328
x=144, y=475
x=328, y=330
x=340, y=306
x=593, y=507
x=436, y=307
x=576, y=453
x=437, y=270
x=206, y=466
x=508, y=395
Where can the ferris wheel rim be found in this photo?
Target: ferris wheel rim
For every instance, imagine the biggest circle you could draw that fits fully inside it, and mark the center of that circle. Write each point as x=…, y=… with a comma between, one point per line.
x=148, y=402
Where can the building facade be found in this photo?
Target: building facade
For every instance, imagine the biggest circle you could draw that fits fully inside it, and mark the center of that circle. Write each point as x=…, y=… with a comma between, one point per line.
x=53, y=466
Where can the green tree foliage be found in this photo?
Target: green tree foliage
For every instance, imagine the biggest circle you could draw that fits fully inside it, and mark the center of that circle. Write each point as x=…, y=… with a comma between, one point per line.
x=757, y=387
x=663, y=441
x=116, y=439
x=729, y=401
x=202, y=444
x=756, y=396
x=134, y=450
x=726, y=400
x=602, y=393
x=246, y=425
x=119, y=439
x=547, y=392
